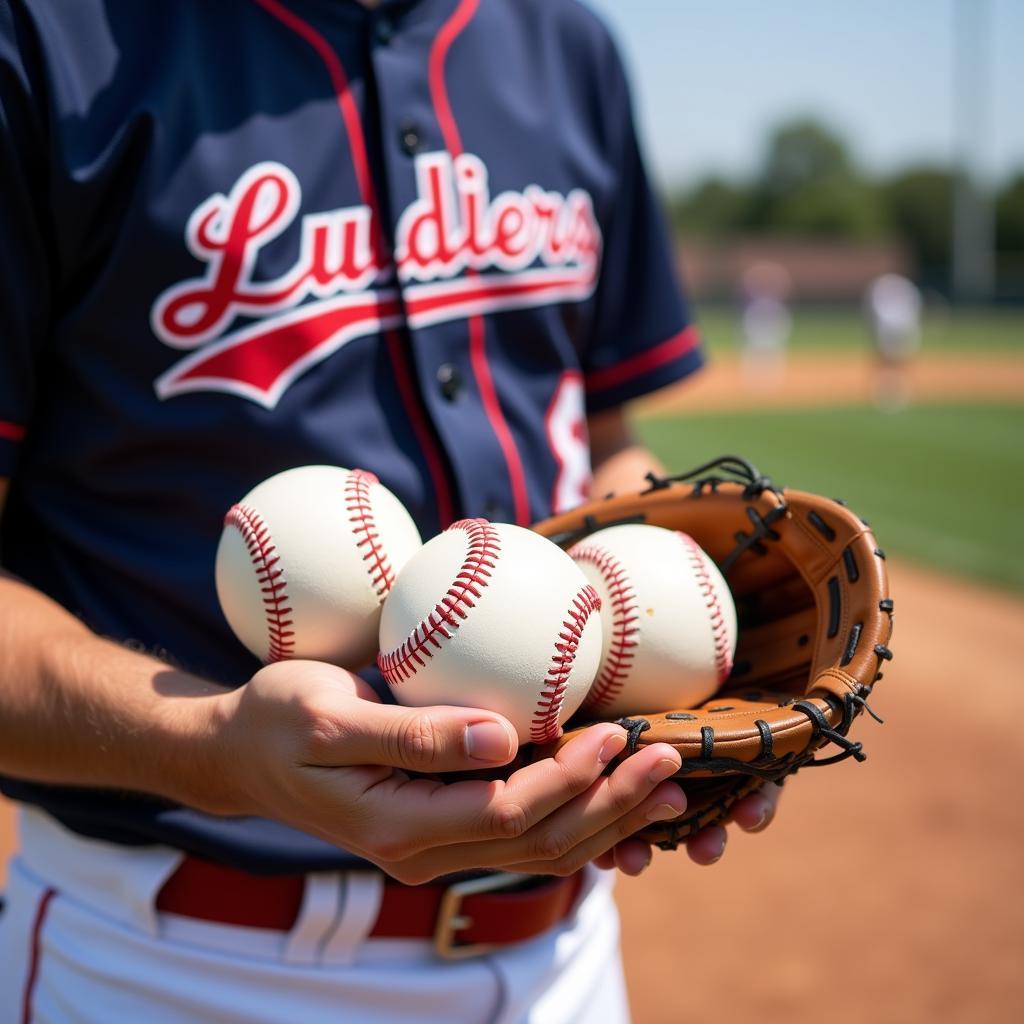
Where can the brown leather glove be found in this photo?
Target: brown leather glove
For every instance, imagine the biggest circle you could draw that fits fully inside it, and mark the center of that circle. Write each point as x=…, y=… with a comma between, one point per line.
x=815, y=619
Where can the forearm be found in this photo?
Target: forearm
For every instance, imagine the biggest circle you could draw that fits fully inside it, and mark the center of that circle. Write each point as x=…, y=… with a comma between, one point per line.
x=78, y=709
x=619, y=460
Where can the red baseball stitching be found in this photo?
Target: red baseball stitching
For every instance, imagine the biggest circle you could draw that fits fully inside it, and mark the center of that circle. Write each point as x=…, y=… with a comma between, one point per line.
x=470, y=581
x=364, y=527
x=544, y=726
x=616, y=667
x=270, y=576
x=719, y=629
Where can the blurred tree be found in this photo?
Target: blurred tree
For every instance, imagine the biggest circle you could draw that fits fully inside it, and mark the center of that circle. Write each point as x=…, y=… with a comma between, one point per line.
x=713, y=207
x=1010, y=239
x=919, y=203
x=802, y=153
x=1010, y=217
x=808, y=184
x=830, y=209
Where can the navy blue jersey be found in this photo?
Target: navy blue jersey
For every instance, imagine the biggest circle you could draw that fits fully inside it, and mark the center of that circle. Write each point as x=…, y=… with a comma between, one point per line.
x=241, y=236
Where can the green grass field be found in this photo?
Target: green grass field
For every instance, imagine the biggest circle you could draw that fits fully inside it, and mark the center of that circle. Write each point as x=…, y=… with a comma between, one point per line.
x=942, y=485
x=842, y=328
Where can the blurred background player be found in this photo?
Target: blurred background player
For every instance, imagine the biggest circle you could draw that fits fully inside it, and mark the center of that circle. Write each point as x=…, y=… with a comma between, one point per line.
x=892, y=306
x=765, y=323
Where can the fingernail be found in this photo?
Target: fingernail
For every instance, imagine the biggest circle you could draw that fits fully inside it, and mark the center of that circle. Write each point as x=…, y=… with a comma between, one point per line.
x=662, y=812
x=612, y=746
x=488, y=741
x=721, y=852
x=664, y=769
x=762, y=821
x=647, y=863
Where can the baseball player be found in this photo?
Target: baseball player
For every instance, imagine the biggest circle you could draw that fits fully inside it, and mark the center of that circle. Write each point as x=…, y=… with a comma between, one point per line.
x=765, y=324
x=892, y=307
x=413, y=237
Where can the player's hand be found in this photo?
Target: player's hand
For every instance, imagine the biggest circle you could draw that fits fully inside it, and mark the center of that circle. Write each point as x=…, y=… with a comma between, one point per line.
x=753, y=813
x=308, y=744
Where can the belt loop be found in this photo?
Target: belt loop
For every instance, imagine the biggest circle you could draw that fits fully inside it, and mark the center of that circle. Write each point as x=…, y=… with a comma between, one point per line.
x=321, y=905
x=363, y=893
x=120, y=882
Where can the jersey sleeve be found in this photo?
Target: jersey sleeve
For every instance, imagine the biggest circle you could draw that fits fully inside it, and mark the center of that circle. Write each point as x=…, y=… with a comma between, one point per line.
x=24, y=267
x=643, y=338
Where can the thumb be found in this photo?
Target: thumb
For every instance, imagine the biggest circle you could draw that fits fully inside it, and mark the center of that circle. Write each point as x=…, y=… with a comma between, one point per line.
x=430, y=739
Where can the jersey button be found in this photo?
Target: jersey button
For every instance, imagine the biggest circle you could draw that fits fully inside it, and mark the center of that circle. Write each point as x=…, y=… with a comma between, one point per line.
x=409, y=138
x=384, y=30
x=449, y=382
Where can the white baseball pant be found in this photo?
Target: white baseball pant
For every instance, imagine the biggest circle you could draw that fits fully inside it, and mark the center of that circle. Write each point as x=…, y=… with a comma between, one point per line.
x=81, y=941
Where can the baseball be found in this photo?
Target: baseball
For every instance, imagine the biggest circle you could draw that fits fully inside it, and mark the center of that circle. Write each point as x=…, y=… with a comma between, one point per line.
x=305, y=562
x=493, y=616
x=668, y=616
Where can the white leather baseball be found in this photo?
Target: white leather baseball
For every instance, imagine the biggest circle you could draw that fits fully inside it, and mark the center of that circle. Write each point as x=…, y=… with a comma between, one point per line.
x=669, y=619
x=493, y=616
x=305, y=562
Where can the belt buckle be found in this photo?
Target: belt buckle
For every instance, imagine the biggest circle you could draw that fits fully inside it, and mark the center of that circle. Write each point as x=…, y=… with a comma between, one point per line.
x=450, y=919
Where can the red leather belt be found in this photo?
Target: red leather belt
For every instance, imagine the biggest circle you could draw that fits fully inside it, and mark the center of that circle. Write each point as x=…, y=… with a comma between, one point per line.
x=464, y=918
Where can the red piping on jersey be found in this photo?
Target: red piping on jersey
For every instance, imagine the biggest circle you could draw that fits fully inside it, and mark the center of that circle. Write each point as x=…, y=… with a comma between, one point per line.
x=11, y=431
x=34, y=955
x=678, y=345
x=349, y=113
x=458, y=20
x=357, y=143
x=407, y=393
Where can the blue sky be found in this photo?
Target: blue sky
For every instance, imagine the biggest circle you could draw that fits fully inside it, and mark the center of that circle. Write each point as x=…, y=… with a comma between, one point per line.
x=710, y=77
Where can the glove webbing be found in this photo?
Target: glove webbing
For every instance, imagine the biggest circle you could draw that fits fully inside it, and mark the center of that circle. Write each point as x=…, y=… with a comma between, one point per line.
x=735, y=469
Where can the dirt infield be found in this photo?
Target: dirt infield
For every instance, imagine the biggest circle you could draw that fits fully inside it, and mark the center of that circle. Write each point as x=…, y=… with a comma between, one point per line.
x=842, y=378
